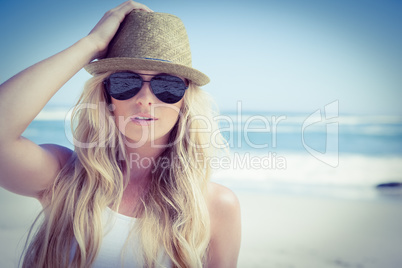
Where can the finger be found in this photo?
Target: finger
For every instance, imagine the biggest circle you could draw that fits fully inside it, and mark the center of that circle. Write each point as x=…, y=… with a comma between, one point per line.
x=122, y=10
x=120, y=7
x=141, y=6
x=128, y=6
x=145, y=8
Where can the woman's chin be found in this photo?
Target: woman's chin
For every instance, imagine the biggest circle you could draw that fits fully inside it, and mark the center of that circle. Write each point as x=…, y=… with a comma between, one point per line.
x=134, y=141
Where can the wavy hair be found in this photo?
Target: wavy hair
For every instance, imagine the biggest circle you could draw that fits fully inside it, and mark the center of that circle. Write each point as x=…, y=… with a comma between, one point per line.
x=173, y=210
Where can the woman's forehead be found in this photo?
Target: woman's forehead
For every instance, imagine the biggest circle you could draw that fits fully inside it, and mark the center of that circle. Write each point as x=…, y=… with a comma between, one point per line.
x=146, y=72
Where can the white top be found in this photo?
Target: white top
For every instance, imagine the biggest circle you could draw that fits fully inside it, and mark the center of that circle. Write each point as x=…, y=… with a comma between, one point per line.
x=116, y=230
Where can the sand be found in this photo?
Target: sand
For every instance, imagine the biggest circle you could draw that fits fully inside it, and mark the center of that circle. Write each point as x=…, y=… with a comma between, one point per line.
x=277, y=231
x=298, y=231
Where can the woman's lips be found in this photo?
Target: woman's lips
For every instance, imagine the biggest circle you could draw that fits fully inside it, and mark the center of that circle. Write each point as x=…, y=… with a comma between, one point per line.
x=143, y=119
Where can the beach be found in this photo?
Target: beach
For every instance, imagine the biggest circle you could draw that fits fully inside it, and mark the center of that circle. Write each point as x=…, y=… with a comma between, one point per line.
x=310, y=232
x=278, y=230
x=300, y=208
x=17, y=214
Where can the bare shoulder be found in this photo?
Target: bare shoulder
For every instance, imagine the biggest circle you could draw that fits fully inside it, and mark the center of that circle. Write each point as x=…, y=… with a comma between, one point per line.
x=223, y=206
x=29, y=169
x=221, y=199
x=62, y=155
x=60, y=152
x=225, y=218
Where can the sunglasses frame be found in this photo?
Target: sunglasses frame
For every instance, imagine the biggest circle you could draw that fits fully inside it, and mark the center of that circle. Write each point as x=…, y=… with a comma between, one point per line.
x=107, y=94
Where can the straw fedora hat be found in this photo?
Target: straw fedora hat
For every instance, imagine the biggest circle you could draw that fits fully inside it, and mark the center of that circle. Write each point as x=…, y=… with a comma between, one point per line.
x=150, y=41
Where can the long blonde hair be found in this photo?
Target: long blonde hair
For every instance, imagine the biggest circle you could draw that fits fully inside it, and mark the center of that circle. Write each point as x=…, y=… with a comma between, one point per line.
x=174, y=214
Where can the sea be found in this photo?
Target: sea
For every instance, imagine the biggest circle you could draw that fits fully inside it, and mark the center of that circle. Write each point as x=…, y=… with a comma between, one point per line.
x=329, y=155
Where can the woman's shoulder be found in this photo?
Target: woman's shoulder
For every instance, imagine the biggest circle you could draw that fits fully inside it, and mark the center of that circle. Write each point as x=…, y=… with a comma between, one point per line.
x=223, y=204
x=63, y=156
x=221, y=197
x=62, y=153
x=225, y=218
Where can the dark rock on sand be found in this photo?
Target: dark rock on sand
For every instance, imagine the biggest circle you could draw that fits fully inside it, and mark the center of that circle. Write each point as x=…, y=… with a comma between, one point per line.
x=389, y=185
x=390, y=189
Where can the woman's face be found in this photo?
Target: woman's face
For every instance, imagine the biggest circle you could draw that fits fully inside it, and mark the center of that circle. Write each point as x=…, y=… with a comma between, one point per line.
x=144, y=118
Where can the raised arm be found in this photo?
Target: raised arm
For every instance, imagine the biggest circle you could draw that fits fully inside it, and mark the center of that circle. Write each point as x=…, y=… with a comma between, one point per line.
x=26, y=168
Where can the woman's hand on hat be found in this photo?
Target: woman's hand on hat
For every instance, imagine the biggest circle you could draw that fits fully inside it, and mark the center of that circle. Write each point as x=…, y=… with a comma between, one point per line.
x=106, y=28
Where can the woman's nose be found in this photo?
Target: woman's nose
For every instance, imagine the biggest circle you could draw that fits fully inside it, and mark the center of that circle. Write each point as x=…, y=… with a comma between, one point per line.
x=145, y=95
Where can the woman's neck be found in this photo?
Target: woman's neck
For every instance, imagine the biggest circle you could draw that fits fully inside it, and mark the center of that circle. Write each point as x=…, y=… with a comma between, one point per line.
x=141, y=164
x=142, y=160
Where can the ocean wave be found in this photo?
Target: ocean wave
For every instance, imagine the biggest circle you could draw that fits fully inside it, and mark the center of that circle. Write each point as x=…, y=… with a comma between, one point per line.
x=353, y=170
x=55, y=114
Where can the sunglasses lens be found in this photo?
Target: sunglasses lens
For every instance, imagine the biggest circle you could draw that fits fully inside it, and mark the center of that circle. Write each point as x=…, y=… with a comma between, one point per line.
x=123, y=85
x=168, y=88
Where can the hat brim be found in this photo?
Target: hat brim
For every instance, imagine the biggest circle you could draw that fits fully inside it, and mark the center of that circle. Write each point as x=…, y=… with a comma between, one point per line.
x=124, y=64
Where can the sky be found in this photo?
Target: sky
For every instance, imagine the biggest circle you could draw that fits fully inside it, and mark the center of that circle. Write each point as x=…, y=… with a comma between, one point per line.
x=285, y=56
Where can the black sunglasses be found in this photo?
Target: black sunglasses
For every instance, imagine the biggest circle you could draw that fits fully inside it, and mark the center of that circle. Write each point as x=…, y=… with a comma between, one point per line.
x=125, y=85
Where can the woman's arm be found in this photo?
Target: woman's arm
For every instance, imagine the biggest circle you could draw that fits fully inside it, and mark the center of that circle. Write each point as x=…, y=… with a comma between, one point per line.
x=224, y=209
x=27, y=168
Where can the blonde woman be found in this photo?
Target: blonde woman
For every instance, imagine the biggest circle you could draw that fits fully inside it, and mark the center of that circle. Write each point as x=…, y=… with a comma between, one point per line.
x=135, y=190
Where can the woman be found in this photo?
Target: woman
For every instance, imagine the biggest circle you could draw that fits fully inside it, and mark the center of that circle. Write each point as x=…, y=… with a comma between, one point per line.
x=135, y=190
